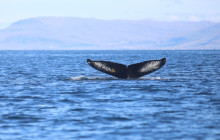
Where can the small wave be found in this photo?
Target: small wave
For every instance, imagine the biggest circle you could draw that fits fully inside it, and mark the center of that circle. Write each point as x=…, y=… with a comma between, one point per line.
x=153, y=78
x=81, y=77
x=77, y=78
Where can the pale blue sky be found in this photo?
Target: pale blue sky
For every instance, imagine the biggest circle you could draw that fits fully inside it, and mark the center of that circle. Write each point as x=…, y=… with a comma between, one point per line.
x=167, y=10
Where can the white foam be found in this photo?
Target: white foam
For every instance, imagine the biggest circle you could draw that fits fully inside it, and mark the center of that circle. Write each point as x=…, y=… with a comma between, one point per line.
x=153, y=78
x=81, y=77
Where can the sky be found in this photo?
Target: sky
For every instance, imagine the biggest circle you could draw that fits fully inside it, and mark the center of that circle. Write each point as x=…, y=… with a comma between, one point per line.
x=163, y=10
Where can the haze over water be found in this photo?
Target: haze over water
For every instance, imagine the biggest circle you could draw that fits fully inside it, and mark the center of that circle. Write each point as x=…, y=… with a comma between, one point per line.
x=56, y=95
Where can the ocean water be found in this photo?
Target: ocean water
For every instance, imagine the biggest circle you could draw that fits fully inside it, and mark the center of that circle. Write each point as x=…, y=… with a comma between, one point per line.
x=57, y=95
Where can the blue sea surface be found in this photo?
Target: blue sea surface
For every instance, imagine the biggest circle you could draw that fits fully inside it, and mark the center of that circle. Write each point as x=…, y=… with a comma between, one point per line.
x=57, y=95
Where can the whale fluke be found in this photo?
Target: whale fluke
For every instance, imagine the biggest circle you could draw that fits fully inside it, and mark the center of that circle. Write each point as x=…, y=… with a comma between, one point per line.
x=132, y=71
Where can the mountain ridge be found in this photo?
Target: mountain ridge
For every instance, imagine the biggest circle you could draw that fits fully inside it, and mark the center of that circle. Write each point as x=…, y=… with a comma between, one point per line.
x=86, y=33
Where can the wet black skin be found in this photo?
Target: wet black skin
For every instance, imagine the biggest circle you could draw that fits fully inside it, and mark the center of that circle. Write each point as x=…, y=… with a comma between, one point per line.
x=132, y=71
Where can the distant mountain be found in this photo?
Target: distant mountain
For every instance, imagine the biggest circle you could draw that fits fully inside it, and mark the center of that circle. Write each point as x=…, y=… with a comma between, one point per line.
x=83, y=33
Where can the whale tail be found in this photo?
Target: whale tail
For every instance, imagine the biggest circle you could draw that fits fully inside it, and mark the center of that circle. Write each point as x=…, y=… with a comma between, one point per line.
x=127, y=72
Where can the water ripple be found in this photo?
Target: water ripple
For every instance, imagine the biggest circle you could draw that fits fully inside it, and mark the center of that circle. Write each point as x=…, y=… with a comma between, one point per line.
x=55, y=94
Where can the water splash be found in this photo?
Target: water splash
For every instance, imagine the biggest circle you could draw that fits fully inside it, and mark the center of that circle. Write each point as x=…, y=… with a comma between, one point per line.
x=81, y=77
